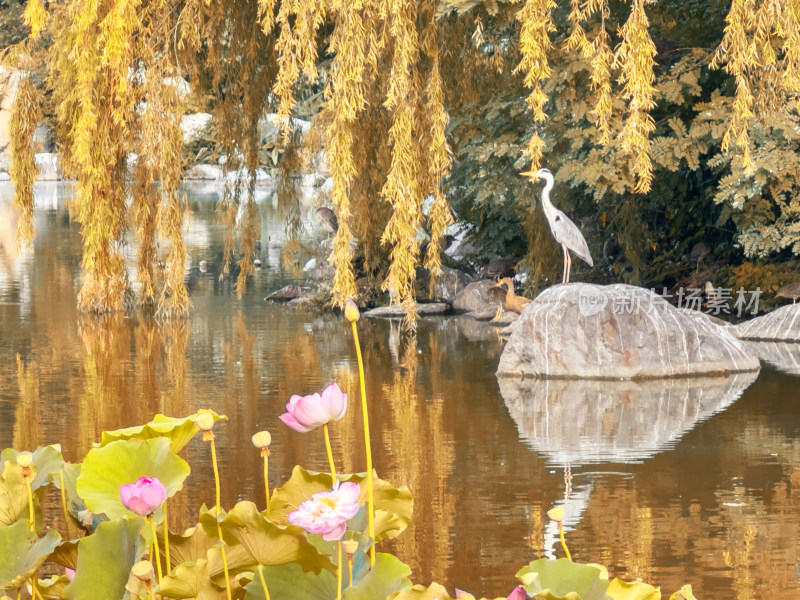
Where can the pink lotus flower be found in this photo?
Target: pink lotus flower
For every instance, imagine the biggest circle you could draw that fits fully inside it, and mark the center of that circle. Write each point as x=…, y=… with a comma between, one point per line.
x=518, y=593
x=327, y=512
x=143, y=496
x=304, y=413
x=70, y=573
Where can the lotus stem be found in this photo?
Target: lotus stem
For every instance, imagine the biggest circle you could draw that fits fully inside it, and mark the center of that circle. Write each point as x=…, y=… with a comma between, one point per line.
x=350, y=568
x=339, y=571
x=263, y=581
x=31, y=513
x=367, y=448
x=563, y=541
x=330, y=453
x=208, y=436
x=166, y=537
x=35, y=593
x=265, y=454
x=64, y=504
x=155, y=547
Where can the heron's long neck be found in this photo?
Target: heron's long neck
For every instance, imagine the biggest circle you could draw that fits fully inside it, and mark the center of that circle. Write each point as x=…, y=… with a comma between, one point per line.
x=548, y=206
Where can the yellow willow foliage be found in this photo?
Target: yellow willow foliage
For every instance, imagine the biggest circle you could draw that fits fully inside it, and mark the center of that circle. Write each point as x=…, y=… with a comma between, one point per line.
x=296, y=45
x=402, y=188
x=25, y=114
x=764, y=77
x=635, y=59
x=534, y=44
x=345, y=95
x=435, y=121
x=602, y=61
x=34, y=17
x=601, y=57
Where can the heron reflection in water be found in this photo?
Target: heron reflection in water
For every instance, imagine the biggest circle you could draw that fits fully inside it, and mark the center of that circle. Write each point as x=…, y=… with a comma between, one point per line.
x=563, y=229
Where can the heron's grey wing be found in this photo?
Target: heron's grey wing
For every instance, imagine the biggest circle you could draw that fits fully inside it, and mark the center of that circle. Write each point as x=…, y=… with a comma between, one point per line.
x=568, y=234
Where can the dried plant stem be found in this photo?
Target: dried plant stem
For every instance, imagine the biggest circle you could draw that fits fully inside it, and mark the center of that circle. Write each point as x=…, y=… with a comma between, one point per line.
x=367, y=448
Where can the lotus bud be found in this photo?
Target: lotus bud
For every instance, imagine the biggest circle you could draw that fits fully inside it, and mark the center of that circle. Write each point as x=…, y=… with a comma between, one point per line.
x=351, y=312
x=262, y=439
x=143, y=571
x=205, y=421
x=557, y=514
x=350, y=546
x=143, y=496
x=24, y=459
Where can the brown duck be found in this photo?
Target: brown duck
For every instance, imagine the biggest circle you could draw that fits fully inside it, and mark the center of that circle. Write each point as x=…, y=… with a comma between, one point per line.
x=510, y=301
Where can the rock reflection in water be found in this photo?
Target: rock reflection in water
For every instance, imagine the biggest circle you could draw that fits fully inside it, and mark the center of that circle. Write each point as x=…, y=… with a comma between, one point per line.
x=590, y=421
x=784, y=356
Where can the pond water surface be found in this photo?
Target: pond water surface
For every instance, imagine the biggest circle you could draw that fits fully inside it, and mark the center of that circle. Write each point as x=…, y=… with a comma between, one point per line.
x=696, y=481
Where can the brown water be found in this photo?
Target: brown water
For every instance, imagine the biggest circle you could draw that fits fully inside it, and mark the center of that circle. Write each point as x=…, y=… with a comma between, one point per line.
x=672, y=483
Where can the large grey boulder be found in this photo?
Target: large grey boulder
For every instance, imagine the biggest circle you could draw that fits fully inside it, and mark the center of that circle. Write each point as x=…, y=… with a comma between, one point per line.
x=617, y=332
x=449, y=284
x=782, y=325
x=580, y=421
x=475, y=296
x=784, y=356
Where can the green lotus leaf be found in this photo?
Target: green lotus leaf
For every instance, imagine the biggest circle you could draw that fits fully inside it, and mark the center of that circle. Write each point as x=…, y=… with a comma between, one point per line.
x=13, y=495
x=210, y=518
x=105, y=559
x=238, y=559
x=75, y=504
x=47, y=461
x=636, y=590
x=418, y=592
x=300, y=487
x=52, y=587
x=66, y=554
x=270, y=544
x=189, y=580
x=393, y=506
x=562, y=578
x=685, y=593
x=290, y=582
x=178, y=431
x=105, y=469
x=191, y=546
x=22, y=552
x=387, y=576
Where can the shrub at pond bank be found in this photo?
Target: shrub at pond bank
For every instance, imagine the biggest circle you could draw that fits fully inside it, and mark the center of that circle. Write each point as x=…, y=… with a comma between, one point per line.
x=315, y=539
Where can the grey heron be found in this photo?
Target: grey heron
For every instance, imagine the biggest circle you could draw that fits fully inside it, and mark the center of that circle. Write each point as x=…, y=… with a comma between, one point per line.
x=563, y=229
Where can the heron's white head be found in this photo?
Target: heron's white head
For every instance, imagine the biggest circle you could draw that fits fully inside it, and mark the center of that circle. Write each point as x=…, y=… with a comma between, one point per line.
x=540, y=174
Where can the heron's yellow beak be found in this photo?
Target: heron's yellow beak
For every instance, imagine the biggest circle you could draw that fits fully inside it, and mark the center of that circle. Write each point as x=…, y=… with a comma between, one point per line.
x=531, y=174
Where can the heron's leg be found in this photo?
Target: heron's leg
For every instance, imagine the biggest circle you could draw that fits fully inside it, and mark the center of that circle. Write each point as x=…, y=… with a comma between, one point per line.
x=564, y=259
x=569, y=263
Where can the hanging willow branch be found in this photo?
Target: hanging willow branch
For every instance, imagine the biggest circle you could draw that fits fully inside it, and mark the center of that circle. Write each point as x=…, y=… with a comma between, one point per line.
x=534, y=45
